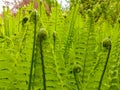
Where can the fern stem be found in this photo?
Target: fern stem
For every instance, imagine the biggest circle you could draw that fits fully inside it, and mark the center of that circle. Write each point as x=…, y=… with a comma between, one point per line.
x=54, y=39
x=77, y=81
x=54, y=33
x=76, y=70
x=56, y=15
x=101, y=79
x=42, y=36
x=70, y=34
x=33, y=51
x=43, y=67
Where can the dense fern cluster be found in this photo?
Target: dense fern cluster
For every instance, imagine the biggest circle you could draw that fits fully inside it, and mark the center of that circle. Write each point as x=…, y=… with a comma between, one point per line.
x=57, y=52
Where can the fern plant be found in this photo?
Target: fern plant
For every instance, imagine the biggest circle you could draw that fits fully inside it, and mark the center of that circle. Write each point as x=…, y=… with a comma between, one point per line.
x=60, y=51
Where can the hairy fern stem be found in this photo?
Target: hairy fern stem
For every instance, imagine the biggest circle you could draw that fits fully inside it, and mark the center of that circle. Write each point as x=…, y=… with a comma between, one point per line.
x=43, y=67
x=77, y=81
x=33, y=51
x=105, y=66
x=76, y=70
x=54, y=33
x=42, y=36
x=70, y=34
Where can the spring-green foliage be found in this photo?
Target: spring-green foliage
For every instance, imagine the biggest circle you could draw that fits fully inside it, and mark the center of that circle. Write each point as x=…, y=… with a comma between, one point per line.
x=69, y=51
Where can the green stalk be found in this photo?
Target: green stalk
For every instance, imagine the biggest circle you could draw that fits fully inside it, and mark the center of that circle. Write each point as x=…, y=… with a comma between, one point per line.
x=5, y=21
x=43, y=66
x=42, y=36
x=56, y=16
x=54, y=39
x=70, y=34
x=77, y=82
x=33, y=51
x=76, y=70
x=107, y=44
x=54, y=33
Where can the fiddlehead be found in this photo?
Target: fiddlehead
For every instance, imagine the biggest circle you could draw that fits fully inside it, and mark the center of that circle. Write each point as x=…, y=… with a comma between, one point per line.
x=33, y=51
x=76, y=70
x=106, y=44
x=42, y=36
